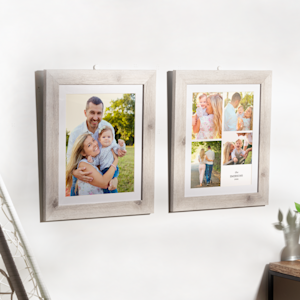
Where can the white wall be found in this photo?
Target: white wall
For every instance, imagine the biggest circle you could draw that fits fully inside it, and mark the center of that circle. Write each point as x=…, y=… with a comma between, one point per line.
x=217, y=254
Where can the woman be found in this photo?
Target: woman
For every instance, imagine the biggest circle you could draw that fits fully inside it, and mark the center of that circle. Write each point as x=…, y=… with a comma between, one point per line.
x=228, y=148
x=84, y=146
x=202, y=158
x=210, y=127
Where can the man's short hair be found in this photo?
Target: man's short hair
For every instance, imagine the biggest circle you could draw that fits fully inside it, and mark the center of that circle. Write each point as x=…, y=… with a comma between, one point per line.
x=209, y=147
x=95, y=100
x=235, y=97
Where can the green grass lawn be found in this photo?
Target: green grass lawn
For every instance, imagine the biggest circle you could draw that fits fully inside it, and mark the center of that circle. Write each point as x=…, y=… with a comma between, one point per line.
x=248, y=159
x=126, y=176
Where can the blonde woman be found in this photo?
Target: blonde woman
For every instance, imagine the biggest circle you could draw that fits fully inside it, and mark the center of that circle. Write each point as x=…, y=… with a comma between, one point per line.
x=228, y=148
x=210, y=127
x=85, y=145
x=202, y=158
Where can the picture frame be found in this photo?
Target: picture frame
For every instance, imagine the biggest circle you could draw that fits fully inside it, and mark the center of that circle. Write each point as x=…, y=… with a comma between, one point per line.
x=180, y=83
x=50, y=129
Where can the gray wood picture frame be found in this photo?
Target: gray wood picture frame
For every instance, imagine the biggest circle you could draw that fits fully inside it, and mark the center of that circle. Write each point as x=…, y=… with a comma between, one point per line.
x=177, y=94
x=47, y=95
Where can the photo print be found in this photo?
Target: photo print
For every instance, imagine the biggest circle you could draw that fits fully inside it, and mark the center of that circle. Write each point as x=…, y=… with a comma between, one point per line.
x=205, y=164
x=237, y=148
x=238, y=111
x=207, y=114
x=222, y=119
x=102, y=144
x=100, y=128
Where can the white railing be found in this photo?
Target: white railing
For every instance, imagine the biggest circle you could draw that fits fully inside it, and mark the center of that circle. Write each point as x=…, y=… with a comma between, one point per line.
x=17, y=242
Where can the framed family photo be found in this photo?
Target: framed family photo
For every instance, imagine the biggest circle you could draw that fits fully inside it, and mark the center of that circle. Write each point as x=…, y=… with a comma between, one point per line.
x=98, y=139
x=219, y=139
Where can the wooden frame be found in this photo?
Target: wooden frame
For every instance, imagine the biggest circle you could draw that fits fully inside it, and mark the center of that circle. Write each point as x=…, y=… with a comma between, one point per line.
x=178, y=81
x=47, y=84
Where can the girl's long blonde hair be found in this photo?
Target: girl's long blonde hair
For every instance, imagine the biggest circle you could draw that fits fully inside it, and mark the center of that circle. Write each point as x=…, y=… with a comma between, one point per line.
x=216, y=101
x=226, y=152
x=202, y=154
x=75, y=157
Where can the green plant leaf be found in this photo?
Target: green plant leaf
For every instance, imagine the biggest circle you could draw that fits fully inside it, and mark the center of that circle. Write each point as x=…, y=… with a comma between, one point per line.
x=280, y=216
x=297, y=205
x=278, y=226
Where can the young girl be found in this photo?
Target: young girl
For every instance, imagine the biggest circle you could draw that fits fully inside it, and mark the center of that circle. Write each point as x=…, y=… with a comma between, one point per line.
x=201, y=105
x=105, y=158
x=246, y=123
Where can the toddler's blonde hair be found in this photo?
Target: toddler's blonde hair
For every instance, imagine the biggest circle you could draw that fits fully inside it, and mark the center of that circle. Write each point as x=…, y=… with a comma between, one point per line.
x=104, y=129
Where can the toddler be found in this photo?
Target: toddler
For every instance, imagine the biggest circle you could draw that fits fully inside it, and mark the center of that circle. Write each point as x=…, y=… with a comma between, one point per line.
x=238, y=152
x=246, y=122
x=201, y=105
x=240, y=111
x=105, y=158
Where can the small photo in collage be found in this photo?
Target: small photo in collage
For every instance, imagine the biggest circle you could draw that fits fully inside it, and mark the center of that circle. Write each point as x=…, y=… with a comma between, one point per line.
x=206, y=164
x=238, y=111
x=237, y=148
x=207, y=116
x=222, y=124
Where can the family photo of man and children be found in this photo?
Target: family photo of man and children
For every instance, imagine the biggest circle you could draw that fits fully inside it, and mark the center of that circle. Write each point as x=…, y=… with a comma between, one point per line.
x=234, y=132
x=93, y=154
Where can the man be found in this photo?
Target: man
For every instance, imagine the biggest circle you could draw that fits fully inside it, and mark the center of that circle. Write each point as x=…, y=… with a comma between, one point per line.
x=94, y=113
x=209, y=164
x=230, y=118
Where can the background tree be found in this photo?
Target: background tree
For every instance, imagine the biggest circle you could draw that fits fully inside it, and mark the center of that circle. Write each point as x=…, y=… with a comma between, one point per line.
x=247, y=100
x=121, y=115
x=227, y=99
x=194, y=105
x=67, y=136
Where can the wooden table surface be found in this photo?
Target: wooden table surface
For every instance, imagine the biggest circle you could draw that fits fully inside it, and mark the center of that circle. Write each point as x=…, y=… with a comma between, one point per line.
x=291, y=268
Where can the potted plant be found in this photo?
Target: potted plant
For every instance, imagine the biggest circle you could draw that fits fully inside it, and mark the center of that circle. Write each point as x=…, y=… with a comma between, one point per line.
x=291, y=235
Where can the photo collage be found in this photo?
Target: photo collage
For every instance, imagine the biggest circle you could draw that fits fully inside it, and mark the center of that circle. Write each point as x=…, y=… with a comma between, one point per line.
x=221, y=141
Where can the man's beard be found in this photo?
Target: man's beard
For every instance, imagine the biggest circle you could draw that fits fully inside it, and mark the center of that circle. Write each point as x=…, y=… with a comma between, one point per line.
x=94, y=125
